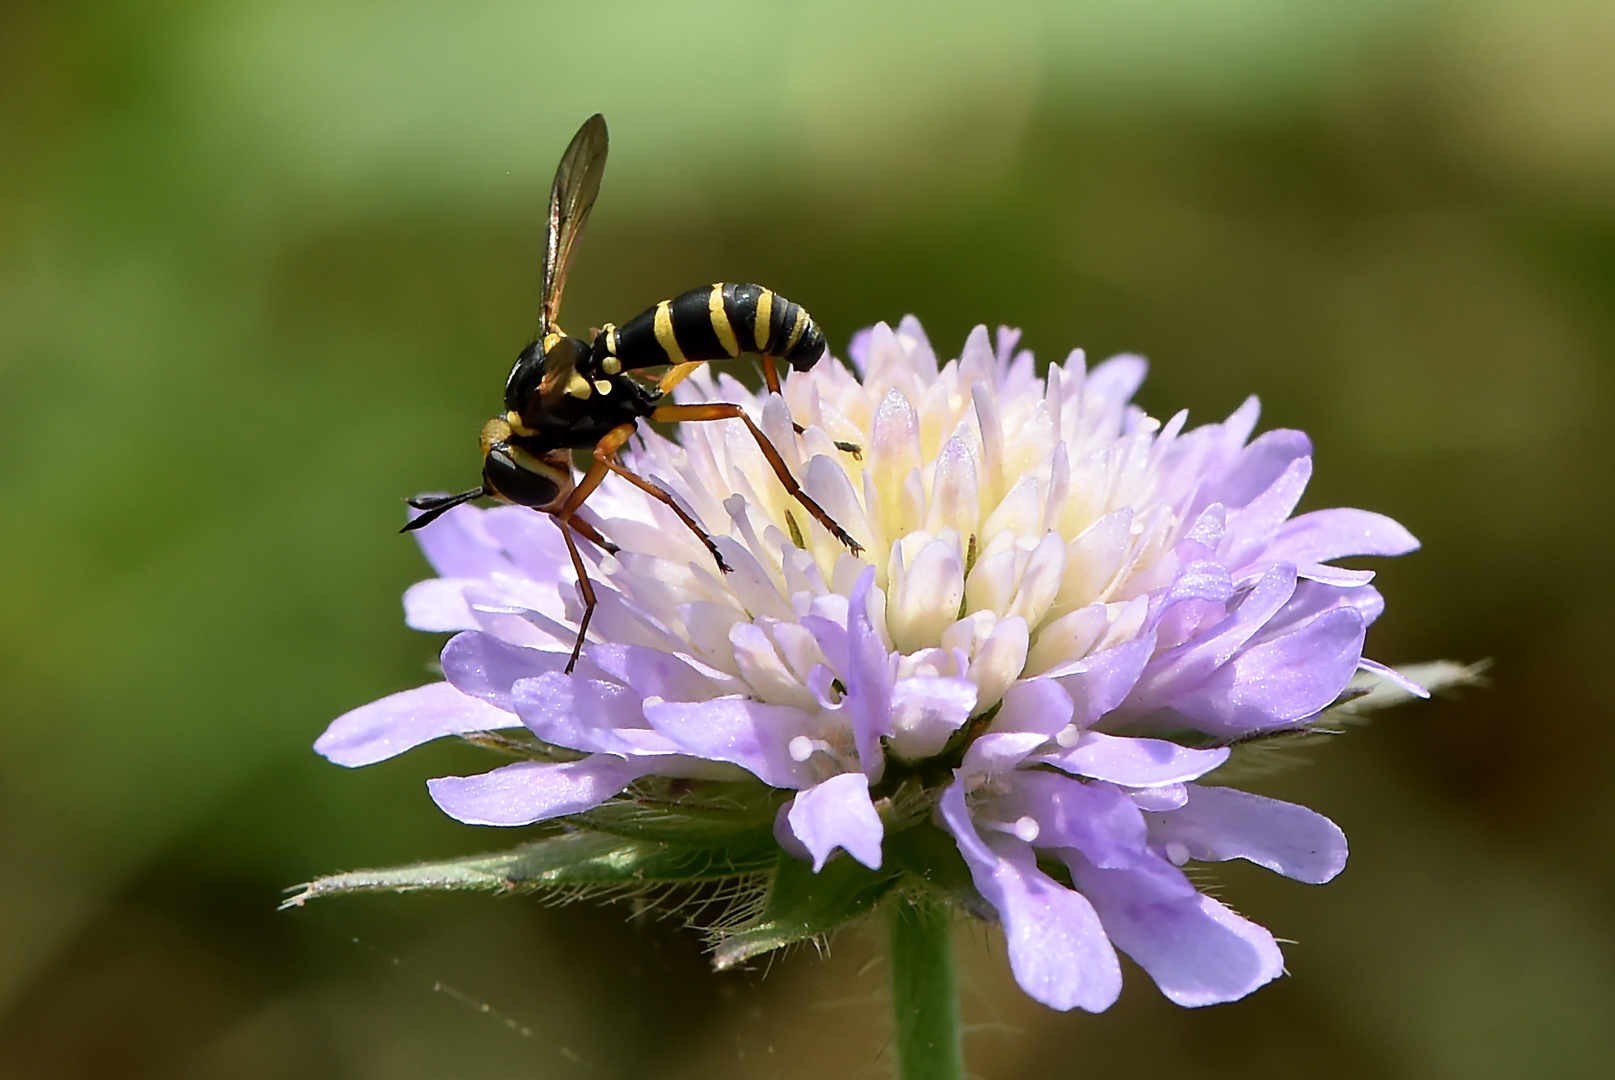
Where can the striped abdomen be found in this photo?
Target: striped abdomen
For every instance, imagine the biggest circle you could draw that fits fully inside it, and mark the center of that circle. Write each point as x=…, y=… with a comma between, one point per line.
x=717, y=322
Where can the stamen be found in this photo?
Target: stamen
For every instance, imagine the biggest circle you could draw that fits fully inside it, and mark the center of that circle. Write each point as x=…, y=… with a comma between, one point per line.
x=1024, y=828
x=802, y=747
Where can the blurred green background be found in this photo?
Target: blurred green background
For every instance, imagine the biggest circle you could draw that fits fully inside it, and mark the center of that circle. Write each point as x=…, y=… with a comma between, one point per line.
x=264, y=264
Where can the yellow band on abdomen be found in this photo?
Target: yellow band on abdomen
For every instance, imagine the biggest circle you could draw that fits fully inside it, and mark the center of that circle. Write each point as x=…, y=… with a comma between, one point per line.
x=796, y=329
x=720, y=321
x=664, y=333
x=765, y=315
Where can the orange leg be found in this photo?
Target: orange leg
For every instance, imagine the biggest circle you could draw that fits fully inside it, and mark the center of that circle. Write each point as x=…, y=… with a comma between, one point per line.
x=723, y=411
x=564, y=516
x=771, y=377
x=591, y=479
x=677, y=374
x=660, y=494
x=591, y=534
x=568, y=522
x=604, y=452
x=587, y=587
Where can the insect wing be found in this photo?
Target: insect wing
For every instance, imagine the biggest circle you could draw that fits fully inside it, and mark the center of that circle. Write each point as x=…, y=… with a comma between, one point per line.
x=577, y=183
x=561, y=364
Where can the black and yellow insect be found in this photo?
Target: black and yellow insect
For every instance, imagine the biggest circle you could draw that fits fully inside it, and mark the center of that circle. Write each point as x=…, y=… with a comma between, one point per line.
x=567, y=394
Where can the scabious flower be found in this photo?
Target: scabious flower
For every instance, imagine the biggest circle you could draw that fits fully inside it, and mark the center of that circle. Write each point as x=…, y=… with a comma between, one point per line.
x=1065, y=614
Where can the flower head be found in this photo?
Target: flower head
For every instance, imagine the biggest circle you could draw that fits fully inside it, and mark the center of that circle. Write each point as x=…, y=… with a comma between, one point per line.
x=1065, y=614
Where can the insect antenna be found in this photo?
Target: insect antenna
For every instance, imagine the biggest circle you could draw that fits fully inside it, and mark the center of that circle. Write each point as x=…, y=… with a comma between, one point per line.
x=437, y=505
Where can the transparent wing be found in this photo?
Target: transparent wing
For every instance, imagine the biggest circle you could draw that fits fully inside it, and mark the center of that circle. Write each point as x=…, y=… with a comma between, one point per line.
x=577, y=183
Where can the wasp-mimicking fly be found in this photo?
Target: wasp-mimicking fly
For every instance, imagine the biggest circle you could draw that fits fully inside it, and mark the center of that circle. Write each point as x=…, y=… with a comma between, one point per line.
x=567, y=394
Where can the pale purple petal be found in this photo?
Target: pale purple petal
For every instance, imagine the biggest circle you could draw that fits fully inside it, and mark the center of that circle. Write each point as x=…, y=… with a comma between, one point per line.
x=1257, y=467
x=1338, y=576
x=837, y=813
x=1313, y=598
x=458, y=544
x=485, y=667
x=1004, y=343
x=752, y=734
x=922, y=358
x=858, y=347
x=1251, y=528
x=1334, y=534
x=1039, y=705
x=500, y=594
x=531, y=791
x=523, y=617
x=926, y=711
x=1134, y=762
x=998, y=752
x=787, y=839
x=654, y=673
x=1232, y=432
x=381, y=729
x=1209, y=527
x=1118, y=378
x=829, y=635
x=1057, y=948
x=532, y=541
x=439, y=605
x=1281, y=680
x=1189, y=665
x=1219, y=823
x=1097, y=819
x=593, y=715
x=868, y=679
x=1102, y=681
x=1202, y=579
x=1197, y=951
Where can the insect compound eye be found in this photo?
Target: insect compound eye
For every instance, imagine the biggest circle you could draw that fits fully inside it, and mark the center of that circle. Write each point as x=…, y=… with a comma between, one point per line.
x=511, y=480
x=525, y=377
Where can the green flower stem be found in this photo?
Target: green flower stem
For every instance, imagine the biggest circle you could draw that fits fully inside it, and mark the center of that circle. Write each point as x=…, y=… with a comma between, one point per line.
x=925, y=1003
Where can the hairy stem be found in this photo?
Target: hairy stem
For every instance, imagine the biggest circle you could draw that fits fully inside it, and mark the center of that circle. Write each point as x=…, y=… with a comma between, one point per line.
x=925, y=1004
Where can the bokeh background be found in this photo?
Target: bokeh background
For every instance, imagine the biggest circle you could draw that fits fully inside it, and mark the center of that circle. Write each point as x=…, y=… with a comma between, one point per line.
x=264, y=265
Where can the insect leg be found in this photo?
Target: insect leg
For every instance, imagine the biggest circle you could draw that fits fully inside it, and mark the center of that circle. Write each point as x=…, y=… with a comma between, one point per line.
x=605, y=452
x=586, y=586
x=771, y=377
x=677, y=374
x=591, y=534
x=566, y=517
x=660, y=494
x=597, y=472
x=724, y=411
